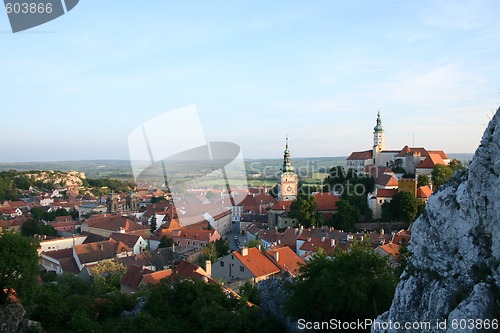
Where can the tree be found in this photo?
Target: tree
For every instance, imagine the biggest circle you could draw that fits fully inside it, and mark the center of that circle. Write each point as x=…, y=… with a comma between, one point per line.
x=165, y=242
x=305, y=210
x=274, y=191
x=347, y=215
x=30, y=227
x=249, y=292
x=358, y=284
x=107, y=274
x=255, y=243
x=18, y=264
x=441, y=174
x=222, y=247
x=153, y=224
x=404, y=206
x=423, y=180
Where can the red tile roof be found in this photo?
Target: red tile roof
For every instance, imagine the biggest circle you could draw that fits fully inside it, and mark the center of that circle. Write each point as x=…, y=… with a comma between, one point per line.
x=155, y=277
x=431, y=161
x=326, y=201
x=387, y=180
x=423, y=192
x=288, y=260
x=386, y=193
x=257, y=262
x=391, y=249
x=361, y=155
x=282, y=205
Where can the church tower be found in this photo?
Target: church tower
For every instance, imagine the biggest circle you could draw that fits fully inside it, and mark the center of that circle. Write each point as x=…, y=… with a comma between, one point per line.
x=378, y=141
x=288, y=185
x=378, y=134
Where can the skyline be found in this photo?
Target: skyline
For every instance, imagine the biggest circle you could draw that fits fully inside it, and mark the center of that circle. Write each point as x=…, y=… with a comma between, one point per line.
x=317, y=72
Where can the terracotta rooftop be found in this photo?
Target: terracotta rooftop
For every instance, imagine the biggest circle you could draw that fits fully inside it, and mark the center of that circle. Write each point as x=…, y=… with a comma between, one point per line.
x=288, y=260
x=257, y=262
x=361, y=155
x=386, y=193
x=424, y=192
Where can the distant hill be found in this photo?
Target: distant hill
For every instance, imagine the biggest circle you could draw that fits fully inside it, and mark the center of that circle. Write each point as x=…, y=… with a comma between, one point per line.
x=121, y=169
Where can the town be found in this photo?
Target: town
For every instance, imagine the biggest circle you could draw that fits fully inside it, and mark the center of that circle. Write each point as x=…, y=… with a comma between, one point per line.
x=143, y=236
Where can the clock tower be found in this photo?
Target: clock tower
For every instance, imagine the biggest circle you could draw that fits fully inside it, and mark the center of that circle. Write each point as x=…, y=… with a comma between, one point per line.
x=288, y=185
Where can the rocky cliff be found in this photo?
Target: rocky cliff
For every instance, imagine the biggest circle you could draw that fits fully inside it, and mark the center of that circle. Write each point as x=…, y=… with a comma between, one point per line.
x=454, y=274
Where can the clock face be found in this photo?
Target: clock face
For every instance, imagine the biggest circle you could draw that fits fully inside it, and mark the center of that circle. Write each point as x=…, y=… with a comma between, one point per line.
x=289, y=188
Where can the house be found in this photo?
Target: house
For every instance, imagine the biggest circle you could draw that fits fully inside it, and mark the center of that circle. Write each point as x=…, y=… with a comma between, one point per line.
x=288, y=261
x=59, y=261
x=90, y=208
x=248, y=264
x=278, y=216
x=135, y=242
x=92, y=253
x=139, y=276
x=106, y=224
x=185, y=236
x=423, y=194
x=377, y=198
x=130, y=281
x=389, y=250
x=270, y=237
x=326, y=203
x=60, y=243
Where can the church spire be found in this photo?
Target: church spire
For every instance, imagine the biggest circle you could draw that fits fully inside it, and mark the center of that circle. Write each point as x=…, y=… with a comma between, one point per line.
x=287, y=164
x=379, y=127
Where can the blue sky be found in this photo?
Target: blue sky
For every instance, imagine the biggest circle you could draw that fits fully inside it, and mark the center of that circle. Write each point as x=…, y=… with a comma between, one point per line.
x=319, y=71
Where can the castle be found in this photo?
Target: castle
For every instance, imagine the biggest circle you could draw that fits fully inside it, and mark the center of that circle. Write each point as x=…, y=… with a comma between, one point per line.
x=416, y=160
x=388, y=167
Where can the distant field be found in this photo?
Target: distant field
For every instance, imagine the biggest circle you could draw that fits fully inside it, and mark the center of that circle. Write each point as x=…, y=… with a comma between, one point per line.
x=310, y=170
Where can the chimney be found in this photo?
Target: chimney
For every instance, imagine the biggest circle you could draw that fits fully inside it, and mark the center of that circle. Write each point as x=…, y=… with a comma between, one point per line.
x=208, y=268
x=121, y=230
x=276, y=256
x=244, y=251
x=102, y=247
x=333, y=242
x=258, y=246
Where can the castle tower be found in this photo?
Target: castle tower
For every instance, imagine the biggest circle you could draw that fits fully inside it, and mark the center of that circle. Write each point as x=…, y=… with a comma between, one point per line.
x=378, y=141
x=378, y=134
x=288, y=185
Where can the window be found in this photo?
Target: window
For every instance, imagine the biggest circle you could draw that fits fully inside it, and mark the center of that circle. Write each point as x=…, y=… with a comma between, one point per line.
x=222, y=264
x=242, y=269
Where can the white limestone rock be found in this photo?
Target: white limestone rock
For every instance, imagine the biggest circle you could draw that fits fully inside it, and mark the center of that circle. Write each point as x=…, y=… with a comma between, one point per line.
x=454, y=272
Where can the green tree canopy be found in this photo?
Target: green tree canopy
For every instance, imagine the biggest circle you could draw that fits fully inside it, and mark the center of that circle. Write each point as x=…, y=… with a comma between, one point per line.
x=423, y=180
x=347, y=215
x=165, y=242
x=352, y=285
x=404, y=206
x=18, y=264
x=305, y=210
x=441, y=174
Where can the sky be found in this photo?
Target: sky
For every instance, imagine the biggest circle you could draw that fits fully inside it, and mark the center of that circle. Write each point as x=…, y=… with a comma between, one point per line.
x=318, y=71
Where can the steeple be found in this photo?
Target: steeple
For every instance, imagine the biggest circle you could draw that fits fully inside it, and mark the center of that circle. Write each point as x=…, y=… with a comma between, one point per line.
x=287, y=165
x=379, y=127
x=378, y=141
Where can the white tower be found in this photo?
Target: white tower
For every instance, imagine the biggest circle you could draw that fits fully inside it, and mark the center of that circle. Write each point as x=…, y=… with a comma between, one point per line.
x=288, y=185
x=378, y=141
